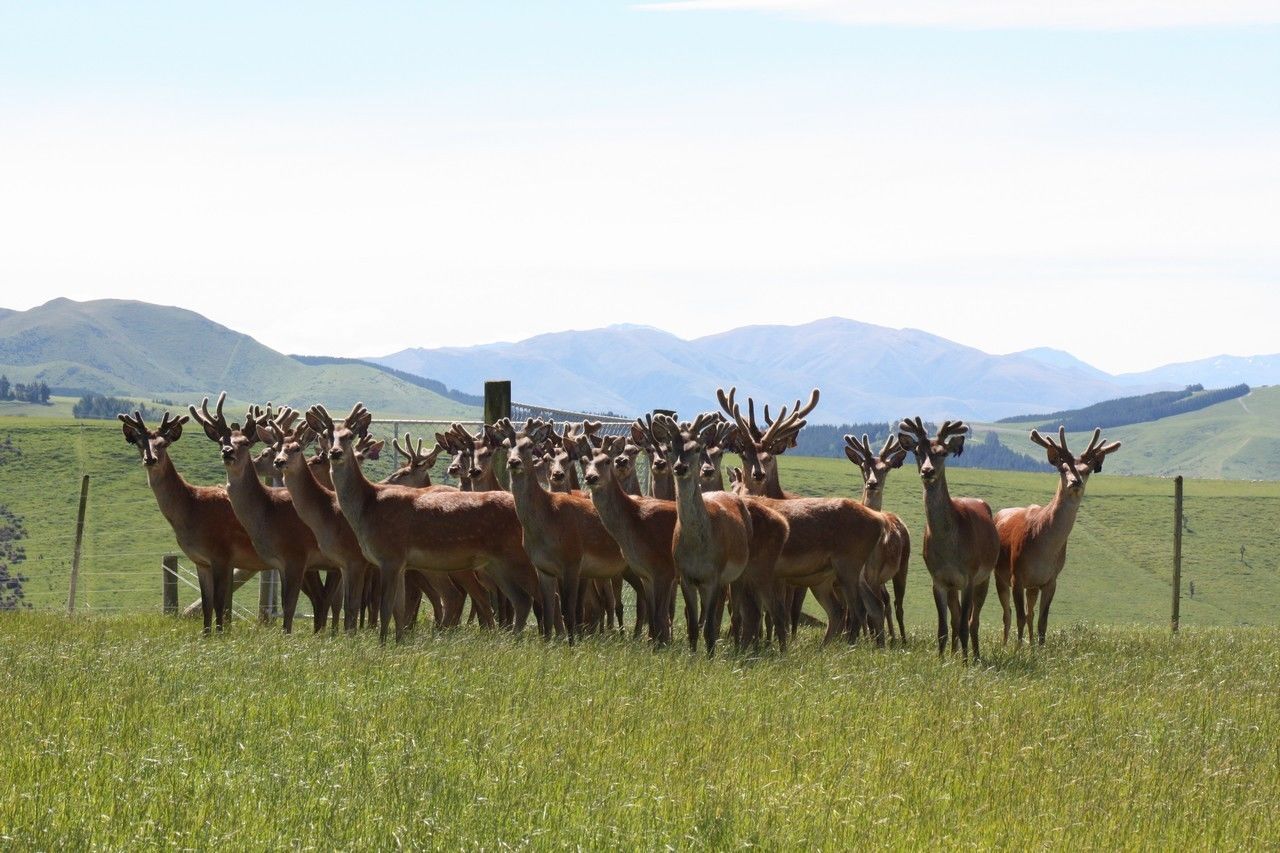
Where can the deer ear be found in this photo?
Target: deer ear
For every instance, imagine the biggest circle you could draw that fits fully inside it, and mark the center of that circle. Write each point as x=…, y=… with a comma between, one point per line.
x=174, y=432
x=908, y=441
x=896, y=460
x=130, y=431
x=955, y=445
x=853, y=457
x=375, y=450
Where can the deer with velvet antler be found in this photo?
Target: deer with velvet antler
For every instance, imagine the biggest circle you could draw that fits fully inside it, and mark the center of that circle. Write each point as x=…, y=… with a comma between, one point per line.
x=1033, y=539
x=960, y=540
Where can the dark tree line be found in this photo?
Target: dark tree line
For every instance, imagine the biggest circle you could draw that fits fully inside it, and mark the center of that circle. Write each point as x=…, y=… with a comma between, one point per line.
x=828, y=440
x=1134, y=410
x=35, y=392
x=100, y=407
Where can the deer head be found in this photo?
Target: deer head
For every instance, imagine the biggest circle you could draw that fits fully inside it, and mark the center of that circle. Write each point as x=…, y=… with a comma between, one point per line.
x=644, y=437
x=152, y=444
x=600, y=465
x=931, y=453
x=684, y=444
x=1074, y=472
x=524, y=446
x=562, y=457
x=874, y=467
x=718, y=440
x=482, y=449
x=759, y=448
x=341, y=438
x=233, y=440
x=289, y=448
x=416, y=470
x=264, y=461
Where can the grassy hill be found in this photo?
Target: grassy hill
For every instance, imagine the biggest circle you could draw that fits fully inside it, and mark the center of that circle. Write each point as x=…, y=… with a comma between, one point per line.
x=1118, y=568
x=1236, y=439
x=126, y=348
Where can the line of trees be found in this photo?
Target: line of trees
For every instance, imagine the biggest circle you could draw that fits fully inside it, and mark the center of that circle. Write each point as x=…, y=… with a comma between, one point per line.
x=1134, y=410
x=990, y=452
x=101, y=407
x=34, y=392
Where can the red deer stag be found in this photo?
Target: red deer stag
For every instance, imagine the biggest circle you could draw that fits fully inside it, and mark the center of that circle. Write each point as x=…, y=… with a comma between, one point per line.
x=961, y=544
x=720, y=539
x=1033, y=539
x=563, y=534
x=267, y=513
x=202, y=519
x=875, y=470
x=442, y=530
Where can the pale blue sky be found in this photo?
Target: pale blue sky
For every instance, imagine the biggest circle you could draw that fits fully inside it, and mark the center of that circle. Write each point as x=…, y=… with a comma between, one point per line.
x=507, y=167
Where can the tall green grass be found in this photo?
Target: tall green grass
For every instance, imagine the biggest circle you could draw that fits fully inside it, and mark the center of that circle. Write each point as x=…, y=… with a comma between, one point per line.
x=135, y=731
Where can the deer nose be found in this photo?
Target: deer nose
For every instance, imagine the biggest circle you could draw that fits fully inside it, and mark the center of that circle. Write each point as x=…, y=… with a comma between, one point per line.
x=708, y=471
x=680, y=468
x=557, y=475
x=513, y=464
x=473, y=471
x=592, y=479
x=757, y=475
x=335, y=453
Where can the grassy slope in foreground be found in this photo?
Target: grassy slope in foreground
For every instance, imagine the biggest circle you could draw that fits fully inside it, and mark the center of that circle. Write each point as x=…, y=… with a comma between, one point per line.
x=135, y=731
x=1236, y=439
x=1118, y=567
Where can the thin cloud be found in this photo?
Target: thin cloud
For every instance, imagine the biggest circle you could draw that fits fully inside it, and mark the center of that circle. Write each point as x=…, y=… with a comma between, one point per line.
x=1002, y=14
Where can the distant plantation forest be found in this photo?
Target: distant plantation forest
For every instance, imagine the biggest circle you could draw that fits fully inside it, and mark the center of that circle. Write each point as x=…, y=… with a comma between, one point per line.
x=1133, y=410
x=987, y=452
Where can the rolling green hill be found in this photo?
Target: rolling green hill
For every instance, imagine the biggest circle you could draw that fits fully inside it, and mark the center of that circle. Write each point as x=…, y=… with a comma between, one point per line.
x=1118, y=569
x=126, y=348
x=1235, y=440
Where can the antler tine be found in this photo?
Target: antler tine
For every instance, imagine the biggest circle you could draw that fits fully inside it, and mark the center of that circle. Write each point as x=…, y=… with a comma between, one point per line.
x=782, y=431
x=1093, y=442
x=852, y=445
x=406, y=451
x=1046, y=443
x=751, y=419
x=700, y=422
x=1062, y=441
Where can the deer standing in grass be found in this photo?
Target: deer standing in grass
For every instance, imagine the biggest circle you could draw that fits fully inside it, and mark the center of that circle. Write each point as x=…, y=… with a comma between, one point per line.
x=563, y=535
x=961, y=544
x=720, y=539
x=759, y=450
x=203, y=521
x=875, y=470
x=267, y=513
x=642, y=527
x=442, y=530
x=1033, y=539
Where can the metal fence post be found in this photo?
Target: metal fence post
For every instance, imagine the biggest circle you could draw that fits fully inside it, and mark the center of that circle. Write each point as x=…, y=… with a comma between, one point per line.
x=1177, y=550
x=75, y=560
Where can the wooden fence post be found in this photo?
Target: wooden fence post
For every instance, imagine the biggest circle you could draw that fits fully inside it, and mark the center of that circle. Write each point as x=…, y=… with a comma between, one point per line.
x=266, y=595
x=497, y=400
x=1177, y=549
x=75, y=560
x=169, y=583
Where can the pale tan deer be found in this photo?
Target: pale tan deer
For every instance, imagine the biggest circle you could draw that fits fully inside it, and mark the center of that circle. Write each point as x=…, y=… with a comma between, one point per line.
x=961, y=544
x=643, y=528
x=1033, y=539
x=875, y=468
x=279, y=536
x=720, y=539
x=202, y=519
x=563, y=535
x=661, y=484
x=437, y=530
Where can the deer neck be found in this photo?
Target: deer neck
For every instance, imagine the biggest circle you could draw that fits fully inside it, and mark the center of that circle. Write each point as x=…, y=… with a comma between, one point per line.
x=174, y=495
x=940, y=514
x=872, y=499
x=533, y=503
x=631, y=483
x=772, y=486
x=355, y=492
x=486, y=483
x=618, y=511
x=1060, y=517
x=664, y=487
x=695, y=521
x=311, y=499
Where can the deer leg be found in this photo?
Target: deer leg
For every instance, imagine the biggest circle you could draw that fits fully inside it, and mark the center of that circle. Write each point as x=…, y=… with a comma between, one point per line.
x=352, y=594
x=570, y=586
x=772, y=599
x=391, y=603
x=850, y=580
x=940, y=601
x=334, y=591
x=1046, y=598
x=966, y=614
x=712, y=614
x=1032, y=596
x=953, y=603
x=690, y=593
x=828, y=597
x=208, y=604
x=885, y=605
x=310, y=585
x=900, y=592
x=873, y=610
x=290, y=586
x=797, y=607
x=1003, y=591
x=979, y=596
x=547, y=592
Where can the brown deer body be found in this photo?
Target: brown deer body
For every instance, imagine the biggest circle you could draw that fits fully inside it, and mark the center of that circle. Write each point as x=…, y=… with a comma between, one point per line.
x=961, y=544
x=562, y=533
x=267, y=513
x=1033, y=539
x=203, y=521
x=446, y=531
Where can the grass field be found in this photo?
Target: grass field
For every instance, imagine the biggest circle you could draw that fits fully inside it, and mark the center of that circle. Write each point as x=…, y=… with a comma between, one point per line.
x=135, y=731
x=1118, y=569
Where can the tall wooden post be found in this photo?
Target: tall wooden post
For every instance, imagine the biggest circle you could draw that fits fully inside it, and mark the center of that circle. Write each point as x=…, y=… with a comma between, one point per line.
x=497, y=405
x=497, y=400
x=1177, y=549
x=75, y=559
x=169, y=583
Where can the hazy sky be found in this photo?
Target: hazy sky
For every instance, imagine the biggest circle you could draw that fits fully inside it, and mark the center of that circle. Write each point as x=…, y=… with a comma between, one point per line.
x=352, y=179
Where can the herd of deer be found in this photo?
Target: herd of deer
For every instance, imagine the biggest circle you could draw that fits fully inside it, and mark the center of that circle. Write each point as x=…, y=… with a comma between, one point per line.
x=548, y=547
